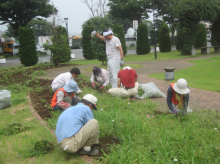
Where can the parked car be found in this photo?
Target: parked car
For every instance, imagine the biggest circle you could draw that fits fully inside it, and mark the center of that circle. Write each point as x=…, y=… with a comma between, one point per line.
x=40, y=49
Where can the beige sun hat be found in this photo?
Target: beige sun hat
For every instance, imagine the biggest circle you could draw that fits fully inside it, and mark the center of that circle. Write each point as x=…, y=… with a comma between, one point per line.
x=181, y=86
x=92, y=99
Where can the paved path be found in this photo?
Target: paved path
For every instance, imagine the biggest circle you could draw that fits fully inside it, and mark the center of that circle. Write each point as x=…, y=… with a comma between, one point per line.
x=199, y=99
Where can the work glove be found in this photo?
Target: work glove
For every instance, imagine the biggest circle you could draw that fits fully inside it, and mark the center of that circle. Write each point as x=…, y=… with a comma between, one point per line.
x=93, y=84
x=79, y=91
x=102, y=87
x=93, y=33
x=121, y=62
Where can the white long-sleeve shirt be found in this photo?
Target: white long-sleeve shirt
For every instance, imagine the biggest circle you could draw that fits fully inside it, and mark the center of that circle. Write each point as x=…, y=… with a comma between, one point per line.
x=102, y=78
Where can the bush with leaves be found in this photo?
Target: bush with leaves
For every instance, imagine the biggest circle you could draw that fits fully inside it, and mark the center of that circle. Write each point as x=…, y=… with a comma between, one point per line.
x=86, y=43
x=27, y=49
x=201, y=40
x=164, y=38
x=60, y=47
x=143, y=45
x=117, y=29
x=215, y=29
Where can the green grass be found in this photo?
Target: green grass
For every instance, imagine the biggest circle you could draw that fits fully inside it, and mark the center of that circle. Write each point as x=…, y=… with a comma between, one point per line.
x=205, y=74
x=133, y=66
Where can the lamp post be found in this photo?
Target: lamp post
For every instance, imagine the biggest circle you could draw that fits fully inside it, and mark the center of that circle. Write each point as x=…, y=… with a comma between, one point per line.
x=66, y=21
x=155, y=51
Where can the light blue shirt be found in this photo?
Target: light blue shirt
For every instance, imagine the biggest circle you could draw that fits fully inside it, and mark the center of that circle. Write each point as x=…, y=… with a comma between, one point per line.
x=72, y=120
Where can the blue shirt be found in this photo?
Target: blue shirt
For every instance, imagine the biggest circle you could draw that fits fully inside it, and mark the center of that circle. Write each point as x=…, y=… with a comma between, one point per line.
x=72, y=120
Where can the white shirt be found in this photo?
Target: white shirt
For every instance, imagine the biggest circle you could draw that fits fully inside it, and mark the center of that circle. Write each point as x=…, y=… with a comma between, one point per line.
x=62, y=79
x=112, y=51
x=102, y=78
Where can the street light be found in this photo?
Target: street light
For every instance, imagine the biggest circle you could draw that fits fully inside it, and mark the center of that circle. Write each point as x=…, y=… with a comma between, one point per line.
x=66, y=21
x=155, y=52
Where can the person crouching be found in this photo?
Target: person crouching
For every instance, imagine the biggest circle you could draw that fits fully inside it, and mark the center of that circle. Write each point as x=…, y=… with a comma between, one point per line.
x=101, y=76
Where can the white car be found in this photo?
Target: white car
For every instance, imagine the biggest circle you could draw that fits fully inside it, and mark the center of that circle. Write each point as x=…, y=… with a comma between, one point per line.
x=40, y=49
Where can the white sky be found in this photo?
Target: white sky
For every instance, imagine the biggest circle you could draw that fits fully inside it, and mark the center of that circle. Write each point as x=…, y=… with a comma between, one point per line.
x=75, y=10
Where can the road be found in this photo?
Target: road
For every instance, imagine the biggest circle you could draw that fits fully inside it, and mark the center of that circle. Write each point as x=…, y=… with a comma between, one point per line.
x=77, y=52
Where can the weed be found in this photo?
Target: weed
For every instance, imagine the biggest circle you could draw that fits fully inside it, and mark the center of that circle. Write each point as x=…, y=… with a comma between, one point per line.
x=43, y=101
x=42, y=147
x=38, y=73
x=12, y=129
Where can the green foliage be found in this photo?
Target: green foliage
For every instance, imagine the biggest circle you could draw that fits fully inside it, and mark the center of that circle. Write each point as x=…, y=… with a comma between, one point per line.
x=132, y=10
x=40, y=28
x=143, y=45
x=86, y=42
x=12, y=129
x=42, y=147
x=19, y=13
x=149, y=25
x=164, y=38
x=27, y=49
x=38, y=73
x=215, y=35
x=201, y=39
x=60, y=48
x=117, y=29
x=189, y=14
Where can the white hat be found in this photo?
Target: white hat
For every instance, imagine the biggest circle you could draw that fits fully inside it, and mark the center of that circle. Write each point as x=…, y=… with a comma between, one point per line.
x=181, y=86
x=127, y=67
x=107, y=32
x=91, y=98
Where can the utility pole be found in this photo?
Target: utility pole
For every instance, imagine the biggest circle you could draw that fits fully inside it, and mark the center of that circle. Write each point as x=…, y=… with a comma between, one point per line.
x=155, y=50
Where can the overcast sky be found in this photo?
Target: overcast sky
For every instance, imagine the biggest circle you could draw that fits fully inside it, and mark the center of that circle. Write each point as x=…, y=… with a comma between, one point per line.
x=75, y=10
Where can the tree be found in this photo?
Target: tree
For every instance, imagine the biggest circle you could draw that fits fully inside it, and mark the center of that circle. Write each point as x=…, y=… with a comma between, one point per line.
x=143, y=45
x=86, y=42
x=201, y=39
x=20, y=12
x=132, y=9
x=60, y=48
x=117, y=29
x=27, y=49
x=164, y=38
x=215, y=29
x=10, y=32
x=189, y=14
x=157, y=26
x=40, y=28
x=149, y=24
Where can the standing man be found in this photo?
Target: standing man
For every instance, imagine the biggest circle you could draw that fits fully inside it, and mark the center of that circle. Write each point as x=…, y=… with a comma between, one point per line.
x=128, y=78
x=77, y=129
x=178, y=97
x=114, y=54
x=64, y=78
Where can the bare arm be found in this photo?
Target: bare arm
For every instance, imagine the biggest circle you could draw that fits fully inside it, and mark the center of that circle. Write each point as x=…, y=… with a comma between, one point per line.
x=100, y=36
x=119, y=82
x=121, y=51
x=136, y=79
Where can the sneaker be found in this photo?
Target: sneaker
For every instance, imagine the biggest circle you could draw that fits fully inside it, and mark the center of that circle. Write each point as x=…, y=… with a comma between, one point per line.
x=92, y=152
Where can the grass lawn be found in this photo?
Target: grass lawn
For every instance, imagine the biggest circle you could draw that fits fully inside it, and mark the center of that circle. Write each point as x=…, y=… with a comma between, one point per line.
x=205, y=74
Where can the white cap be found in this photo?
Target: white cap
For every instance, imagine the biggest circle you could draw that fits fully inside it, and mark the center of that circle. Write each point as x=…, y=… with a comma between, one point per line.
x=127, y=67
x=107, y=33
x=91, y=98
x=181, y=86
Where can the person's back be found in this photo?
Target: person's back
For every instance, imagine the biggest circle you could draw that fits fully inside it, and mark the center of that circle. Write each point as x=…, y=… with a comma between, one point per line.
x=127, y=77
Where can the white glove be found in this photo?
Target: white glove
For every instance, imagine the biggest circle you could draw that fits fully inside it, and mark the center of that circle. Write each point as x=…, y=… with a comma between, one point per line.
x=79, y=91
x=93, y=33
x=121, y=62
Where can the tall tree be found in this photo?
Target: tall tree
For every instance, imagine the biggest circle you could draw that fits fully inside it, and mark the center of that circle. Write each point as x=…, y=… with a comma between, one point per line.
x=132, y=9
x=143, y=44
x=215, y=29
x=20, y=12
x=117, y=29
x=201, y=39
x=164, y=38
x=149, y=25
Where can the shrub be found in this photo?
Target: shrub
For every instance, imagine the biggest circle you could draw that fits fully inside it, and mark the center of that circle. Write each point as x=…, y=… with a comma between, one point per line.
x=215, y=29
x=60, y=47
x=86, y=42
x=164, y=38
x=117, y=29
x=27, y=49
x=143, y=45
x=201, y=39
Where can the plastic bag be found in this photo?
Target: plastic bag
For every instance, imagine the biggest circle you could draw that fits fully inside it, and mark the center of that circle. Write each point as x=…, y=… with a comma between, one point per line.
x=150, y=91
x=5, y=99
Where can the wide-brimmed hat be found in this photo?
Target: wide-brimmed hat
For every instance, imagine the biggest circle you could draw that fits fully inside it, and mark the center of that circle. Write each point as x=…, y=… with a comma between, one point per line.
x=92, y=99
x=181, y=86
x=96, y=70
x=72, y=86
x=127, y=67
